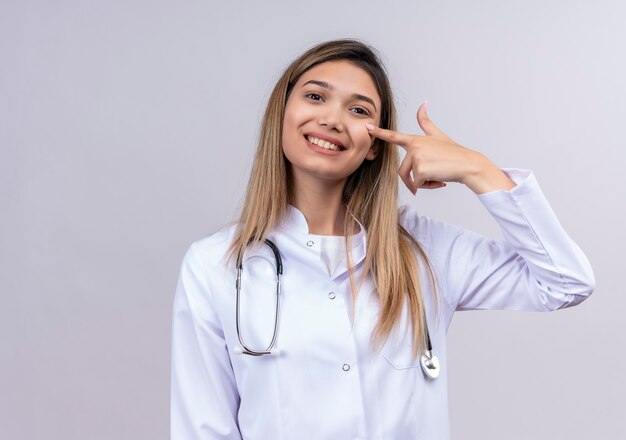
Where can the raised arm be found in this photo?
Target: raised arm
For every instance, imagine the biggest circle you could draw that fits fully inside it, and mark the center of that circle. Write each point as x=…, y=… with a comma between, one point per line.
x=537, y=266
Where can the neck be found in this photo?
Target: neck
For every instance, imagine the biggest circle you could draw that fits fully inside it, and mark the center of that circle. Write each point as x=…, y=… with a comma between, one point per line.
x=320, y=202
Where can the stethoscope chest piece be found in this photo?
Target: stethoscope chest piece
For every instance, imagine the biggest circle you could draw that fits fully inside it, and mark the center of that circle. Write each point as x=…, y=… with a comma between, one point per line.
x=430, y=365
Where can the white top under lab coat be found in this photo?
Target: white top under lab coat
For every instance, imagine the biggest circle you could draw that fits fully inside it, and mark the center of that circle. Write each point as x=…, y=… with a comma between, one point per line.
x=327, y=383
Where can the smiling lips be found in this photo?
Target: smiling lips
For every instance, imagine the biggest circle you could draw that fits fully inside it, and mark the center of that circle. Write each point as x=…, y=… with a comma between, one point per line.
x=325, y=144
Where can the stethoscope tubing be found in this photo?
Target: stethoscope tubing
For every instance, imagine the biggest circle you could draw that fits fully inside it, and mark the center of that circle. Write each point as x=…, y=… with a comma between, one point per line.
x=428, y=360
x=279, y=271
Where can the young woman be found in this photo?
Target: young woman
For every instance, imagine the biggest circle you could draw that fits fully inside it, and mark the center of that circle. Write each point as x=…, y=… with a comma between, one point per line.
x=348, y=342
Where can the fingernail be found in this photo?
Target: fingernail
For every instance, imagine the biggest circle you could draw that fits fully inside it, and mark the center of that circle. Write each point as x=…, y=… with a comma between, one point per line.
x=370, y=127
x=426, y=105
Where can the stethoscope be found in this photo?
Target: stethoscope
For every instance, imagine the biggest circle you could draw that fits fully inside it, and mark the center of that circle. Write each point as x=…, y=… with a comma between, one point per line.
x=428, y=360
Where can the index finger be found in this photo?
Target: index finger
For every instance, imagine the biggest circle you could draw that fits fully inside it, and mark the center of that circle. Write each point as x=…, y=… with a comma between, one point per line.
x=395, y=137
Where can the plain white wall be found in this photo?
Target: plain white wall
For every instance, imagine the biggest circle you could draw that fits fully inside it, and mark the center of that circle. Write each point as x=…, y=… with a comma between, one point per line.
x=127, y=130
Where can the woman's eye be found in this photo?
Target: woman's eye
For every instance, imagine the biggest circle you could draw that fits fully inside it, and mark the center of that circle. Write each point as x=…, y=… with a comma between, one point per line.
x=317, y=97
x=313, y=96
x=362, y=111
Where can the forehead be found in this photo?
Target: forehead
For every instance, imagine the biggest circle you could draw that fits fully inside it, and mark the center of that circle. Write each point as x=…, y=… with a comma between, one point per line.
x=344, y=77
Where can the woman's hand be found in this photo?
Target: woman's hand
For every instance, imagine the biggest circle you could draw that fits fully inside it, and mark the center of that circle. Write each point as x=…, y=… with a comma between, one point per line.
x=434, y=159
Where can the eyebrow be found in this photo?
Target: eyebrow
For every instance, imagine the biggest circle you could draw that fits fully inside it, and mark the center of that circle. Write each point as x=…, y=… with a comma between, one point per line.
x=329, y=87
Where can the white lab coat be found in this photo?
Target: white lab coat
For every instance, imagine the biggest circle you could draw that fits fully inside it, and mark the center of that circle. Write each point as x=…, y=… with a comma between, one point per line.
x=327, y=383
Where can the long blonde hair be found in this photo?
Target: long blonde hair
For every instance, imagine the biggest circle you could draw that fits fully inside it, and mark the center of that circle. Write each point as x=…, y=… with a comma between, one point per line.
x=370, y=195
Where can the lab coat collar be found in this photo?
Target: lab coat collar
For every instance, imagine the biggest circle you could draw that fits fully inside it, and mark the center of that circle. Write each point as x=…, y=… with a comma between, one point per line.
x=294, y=223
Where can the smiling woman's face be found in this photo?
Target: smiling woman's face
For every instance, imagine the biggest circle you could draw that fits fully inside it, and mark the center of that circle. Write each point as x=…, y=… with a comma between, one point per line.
x=331, y=101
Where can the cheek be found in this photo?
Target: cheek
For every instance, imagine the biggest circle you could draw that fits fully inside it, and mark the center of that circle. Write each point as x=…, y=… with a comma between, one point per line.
x=364, y=141
x=291, y=122
x=288, y=128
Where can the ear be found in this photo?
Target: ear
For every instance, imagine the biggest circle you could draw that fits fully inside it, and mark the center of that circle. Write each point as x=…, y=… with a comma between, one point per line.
x=373, y=151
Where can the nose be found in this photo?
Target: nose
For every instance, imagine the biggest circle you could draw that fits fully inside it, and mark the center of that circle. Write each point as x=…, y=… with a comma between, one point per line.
x=332, y=118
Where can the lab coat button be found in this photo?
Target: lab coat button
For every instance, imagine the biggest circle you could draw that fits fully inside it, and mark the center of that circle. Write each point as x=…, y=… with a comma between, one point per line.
x=310, y=243
x=332, y=295
x=345, y=367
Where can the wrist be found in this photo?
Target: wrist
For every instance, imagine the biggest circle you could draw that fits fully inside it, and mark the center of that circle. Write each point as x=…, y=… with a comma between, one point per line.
x=484, y=176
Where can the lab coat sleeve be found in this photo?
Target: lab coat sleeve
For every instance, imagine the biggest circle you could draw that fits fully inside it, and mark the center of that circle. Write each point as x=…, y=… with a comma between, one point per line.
x=204, y=397
x=536, y=266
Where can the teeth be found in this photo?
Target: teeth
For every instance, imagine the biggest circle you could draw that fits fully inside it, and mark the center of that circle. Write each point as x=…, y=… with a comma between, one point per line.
x=322, y=143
